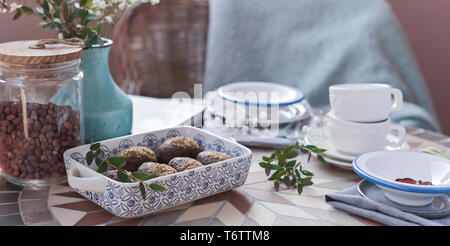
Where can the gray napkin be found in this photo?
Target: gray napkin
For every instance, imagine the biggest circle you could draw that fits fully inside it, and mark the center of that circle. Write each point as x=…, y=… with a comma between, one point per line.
x=351, y=201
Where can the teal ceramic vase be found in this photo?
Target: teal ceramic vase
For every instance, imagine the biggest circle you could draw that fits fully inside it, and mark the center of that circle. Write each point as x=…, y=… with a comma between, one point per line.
x=108, y=110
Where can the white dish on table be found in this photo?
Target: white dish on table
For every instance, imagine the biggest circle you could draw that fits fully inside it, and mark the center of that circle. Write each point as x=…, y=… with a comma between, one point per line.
x=268, y=103
x=125, y=199
x=338, y=163
x=260, y=94
x=384, y=167
x=320, y=138
x=439, y=207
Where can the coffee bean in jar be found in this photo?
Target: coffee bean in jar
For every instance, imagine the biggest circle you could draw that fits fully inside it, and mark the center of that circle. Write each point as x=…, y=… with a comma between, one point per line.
x=40, y=110
x=37, y=154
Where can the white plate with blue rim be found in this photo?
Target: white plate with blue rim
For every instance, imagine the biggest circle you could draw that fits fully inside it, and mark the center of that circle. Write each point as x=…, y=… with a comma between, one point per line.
x=273, y=103
x=260, y=94
x=438, y=208
x=383, y=168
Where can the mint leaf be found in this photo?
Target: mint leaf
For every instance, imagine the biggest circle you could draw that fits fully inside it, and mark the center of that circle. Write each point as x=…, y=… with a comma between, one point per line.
x=89, y=157
x=276, y=186
x=95, y=147
x=143, y=191
x=102, y=168
x=123, y=176
x=143, y=176
x=116, y=160
x=157, y=187
x=299, y=189
x=307, y=173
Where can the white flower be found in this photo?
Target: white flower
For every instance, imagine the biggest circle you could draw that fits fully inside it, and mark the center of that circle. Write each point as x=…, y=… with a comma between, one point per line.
x=14, y=6
x=154, y=2
x=109, y=19
x=123, y=5
x=101, y=4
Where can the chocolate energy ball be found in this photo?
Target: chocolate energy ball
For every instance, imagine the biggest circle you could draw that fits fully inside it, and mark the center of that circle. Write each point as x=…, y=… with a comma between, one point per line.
x=209, y=157
x=136, y=156
x=177, y=147
x=156, y=168
x=184, y=163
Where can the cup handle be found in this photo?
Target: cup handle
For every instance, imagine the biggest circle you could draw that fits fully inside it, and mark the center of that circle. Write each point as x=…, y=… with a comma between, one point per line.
x=400, y=138
x=398, y=99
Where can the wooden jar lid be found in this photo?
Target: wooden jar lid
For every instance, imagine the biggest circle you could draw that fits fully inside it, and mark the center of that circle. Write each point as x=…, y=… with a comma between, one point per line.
x=20, y=53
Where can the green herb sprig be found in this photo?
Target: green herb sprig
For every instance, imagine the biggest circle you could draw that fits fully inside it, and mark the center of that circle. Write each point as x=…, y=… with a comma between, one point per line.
x=82, y=19
x=290, y=172
x=118, y=163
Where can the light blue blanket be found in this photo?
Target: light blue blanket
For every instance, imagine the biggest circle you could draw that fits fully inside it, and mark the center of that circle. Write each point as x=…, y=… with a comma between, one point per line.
x=311, y=45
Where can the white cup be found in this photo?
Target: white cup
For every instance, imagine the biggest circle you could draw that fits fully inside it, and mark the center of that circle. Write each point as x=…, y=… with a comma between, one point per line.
x=364, y=102
x=357, y=138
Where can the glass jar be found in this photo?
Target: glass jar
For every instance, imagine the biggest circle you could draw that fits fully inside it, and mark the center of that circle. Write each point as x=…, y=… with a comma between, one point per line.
x=40, y=114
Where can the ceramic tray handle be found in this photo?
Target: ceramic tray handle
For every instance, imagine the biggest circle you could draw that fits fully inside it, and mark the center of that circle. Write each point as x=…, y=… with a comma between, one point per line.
x=83, y=179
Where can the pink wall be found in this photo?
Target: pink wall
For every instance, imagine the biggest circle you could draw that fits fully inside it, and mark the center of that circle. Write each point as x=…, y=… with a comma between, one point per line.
x=427, y=26
x=426, y=23
x=25, y=28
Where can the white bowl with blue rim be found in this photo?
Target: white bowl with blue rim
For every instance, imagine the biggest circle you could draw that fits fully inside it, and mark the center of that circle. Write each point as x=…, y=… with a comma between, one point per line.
x=271, y=102
x=384, y=167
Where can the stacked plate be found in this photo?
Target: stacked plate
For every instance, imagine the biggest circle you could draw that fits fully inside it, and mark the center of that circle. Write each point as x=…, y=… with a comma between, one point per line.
x=320, y=137
x=261, y=103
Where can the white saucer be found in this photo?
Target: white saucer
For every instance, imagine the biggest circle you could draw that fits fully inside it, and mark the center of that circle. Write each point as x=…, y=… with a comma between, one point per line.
x=338, y=163
x=320, y=138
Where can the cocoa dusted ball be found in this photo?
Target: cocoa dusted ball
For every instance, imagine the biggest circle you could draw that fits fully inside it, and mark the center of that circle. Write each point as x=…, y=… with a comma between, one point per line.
x=156, y=168
x=177, y=147
x=136, y=156
x=209, y=157
x=184, y=163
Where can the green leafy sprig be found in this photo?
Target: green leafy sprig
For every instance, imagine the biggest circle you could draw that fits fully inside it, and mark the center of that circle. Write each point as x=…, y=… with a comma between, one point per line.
x=118, y=163
x=290, y=172
x=71, y=18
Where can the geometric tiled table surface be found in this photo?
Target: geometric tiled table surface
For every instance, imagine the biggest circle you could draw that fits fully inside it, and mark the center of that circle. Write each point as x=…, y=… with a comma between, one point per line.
x=254, y=203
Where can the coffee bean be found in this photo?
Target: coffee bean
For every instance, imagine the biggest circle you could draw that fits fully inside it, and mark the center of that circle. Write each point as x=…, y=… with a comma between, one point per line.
x=68, y=125
x=34, y=115
x=42, y=138
x=17, y=121
x=52, y=129
x=37, y=126
x=34, y=135
x=7, y=110
x=41, y=112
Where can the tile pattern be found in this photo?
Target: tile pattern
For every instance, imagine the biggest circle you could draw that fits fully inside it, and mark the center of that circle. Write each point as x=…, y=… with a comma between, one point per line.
x=254, y=203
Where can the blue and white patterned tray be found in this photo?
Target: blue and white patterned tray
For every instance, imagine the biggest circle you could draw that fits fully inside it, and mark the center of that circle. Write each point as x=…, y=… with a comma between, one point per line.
x=125, y=199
